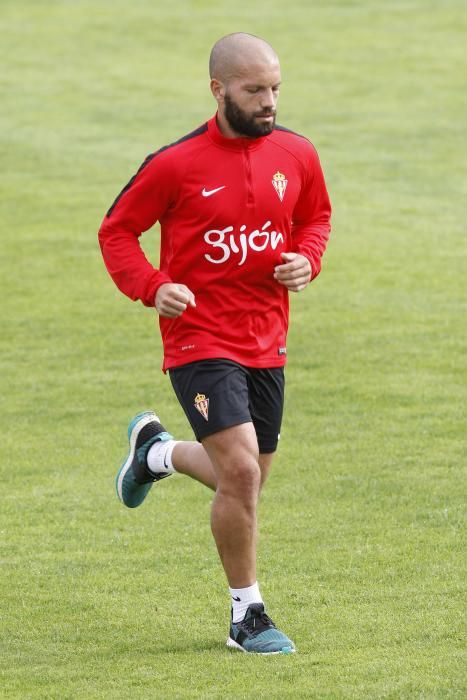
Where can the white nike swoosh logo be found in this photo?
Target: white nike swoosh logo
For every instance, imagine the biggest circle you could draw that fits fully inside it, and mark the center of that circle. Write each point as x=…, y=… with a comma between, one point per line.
x=208, y=193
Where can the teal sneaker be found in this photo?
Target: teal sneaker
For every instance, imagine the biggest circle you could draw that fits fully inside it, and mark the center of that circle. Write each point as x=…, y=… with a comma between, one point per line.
x=134, y=479
x=258, y=634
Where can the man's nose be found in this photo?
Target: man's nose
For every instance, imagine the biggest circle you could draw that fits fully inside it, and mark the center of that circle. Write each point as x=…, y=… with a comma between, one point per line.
x=268, y=99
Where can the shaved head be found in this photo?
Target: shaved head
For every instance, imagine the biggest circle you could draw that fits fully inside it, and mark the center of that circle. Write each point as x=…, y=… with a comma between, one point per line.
x=236, y=53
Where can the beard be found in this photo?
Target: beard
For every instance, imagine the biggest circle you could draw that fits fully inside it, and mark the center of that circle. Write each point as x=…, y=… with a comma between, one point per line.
x=246, y=124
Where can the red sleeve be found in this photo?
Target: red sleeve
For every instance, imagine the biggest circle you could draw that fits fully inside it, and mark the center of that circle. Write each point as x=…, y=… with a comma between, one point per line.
x=140, y=204
x=312, y=215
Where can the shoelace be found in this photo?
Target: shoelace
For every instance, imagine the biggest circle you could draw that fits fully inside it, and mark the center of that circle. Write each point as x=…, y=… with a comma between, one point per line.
x=258, y=622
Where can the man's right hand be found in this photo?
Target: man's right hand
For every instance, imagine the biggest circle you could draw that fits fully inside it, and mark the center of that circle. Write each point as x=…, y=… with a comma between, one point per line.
x=173, y=299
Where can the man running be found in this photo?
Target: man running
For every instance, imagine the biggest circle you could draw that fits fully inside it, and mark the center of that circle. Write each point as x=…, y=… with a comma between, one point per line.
x=245, y=218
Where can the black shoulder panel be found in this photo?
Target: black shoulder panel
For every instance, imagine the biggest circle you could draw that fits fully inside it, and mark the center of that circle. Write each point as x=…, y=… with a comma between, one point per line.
x=278, y=127
x=197, y=132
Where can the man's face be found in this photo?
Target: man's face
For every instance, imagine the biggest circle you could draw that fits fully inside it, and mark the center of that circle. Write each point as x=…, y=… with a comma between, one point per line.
x=250, y=101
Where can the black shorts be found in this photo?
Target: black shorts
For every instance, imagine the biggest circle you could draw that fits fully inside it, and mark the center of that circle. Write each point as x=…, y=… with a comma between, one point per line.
x=218, y=394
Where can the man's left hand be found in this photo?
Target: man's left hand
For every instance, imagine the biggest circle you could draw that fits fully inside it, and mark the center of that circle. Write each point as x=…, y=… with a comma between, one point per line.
x=294, y=273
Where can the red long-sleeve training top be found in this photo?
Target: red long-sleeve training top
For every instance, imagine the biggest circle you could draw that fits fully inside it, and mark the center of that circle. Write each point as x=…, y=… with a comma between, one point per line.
x=227, y=209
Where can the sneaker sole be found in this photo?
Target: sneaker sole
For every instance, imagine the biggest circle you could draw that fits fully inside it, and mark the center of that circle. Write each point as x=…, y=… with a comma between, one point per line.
x=234, y=645
x=135, y=427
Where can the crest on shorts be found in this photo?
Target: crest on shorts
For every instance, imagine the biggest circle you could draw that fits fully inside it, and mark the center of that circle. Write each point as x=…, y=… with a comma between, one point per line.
x=279, y=182
x=202, y=405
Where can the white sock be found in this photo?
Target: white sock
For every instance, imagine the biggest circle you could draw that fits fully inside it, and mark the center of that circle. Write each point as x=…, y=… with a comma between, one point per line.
x=159, y=457
x=242, y=598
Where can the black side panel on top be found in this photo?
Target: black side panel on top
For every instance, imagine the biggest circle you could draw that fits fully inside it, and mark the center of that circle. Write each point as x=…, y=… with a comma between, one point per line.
x=278, y=127
x=197, y=132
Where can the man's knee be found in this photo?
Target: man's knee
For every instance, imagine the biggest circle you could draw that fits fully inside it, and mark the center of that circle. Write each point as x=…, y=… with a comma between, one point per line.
x=242, y=474
x=235, y=457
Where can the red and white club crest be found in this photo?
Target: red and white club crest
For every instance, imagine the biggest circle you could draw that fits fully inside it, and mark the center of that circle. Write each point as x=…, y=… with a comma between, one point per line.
x=202, y=405
x=279, y=182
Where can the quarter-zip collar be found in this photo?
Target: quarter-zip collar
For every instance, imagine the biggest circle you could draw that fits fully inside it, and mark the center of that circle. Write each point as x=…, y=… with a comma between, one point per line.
x=237, y=144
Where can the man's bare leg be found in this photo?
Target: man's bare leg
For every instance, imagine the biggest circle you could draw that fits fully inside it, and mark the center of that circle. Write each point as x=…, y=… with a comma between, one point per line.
x=234, y=456
x=190, y=458
x=229, y=463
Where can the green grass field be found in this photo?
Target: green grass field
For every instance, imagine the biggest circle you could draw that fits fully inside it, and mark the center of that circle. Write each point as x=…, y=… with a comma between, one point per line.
x=362, y=520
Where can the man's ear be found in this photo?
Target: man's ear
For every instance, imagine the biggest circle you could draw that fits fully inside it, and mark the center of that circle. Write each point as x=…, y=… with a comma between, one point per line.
x=217, y=89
